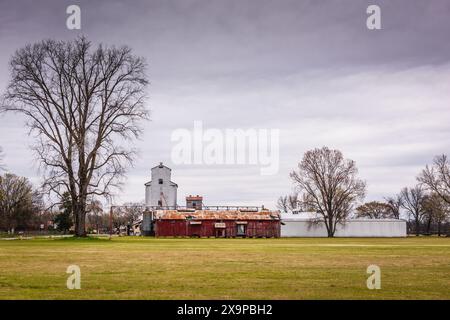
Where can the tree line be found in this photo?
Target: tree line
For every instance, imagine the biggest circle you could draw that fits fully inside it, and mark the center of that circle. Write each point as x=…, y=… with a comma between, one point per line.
x=328, y=184
x=22, y=210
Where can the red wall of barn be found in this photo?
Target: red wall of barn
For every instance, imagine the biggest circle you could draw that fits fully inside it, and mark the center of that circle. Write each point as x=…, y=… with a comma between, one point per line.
x=183, y=228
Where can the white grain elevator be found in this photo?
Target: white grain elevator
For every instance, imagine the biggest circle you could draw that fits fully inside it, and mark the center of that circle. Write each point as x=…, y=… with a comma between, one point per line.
x=161, y=191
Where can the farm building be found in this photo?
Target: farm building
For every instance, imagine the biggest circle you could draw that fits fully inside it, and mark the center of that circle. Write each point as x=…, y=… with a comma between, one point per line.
x=161, y=191
x=194, y=202
x=164, y=218
x=298, y=224
x=216, y=223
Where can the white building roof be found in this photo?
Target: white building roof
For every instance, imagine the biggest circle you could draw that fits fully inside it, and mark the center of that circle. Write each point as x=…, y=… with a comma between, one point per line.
x=307, y=216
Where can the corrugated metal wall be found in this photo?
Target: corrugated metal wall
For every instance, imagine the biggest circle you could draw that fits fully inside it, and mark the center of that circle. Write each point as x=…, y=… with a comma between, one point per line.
x=352, y=228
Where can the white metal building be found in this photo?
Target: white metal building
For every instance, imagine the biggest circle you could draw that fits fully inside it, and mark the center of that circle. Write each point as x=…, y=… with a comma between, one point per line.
x=161, y=191
x=298, y=224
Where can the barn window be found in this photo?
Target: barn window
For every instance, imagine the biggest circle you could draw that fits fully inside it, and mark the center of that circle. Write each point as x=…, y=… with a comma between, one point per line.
x=160, y=181
x=240, y=229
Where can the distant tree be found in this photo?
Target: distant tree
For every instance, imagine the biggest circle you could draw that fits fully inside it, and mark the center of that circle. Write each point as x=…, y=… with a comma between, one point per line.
x=18, y=202
x=85, y=105
x=45, y=218
x=40, y=211
x=95, y=215
x=329, y=185
x=395, y=205
x=413, y=202
x=133, y=211
x=374, y=210
x=64, y=219
x=436, y=211
x=288, y=203
x=437, y=177
x=99, y=222
x=127, y=214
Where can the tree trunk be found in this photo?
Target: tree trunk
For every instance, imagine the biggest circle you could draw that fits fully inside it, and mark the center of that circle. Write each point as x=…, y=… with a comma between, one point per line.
x=330, y=228
x=417, y=227
x=429, y=225
x=80, y=219
x=80, y=230
x=329, y=225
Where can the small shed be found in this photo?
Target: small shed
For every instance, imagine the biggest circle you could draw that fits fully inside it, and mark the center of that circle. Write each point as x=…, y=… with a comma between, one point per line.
x=217, y=223
x=194, y=202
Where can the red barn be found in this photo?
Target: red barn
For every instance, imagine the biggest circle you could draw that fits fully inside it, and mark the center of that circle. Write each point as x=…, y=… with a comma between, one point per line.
x=217, y=223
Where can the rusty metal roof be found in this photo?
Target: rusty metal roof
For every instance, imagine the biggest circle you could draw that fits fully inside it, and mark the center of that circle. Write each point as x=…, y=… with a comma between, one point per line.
x=216, y=215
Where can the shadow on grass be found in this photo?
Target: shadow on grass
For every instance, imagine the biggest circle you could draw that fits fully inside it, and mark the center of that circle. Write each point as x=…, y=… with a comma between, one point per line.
x=82, y=239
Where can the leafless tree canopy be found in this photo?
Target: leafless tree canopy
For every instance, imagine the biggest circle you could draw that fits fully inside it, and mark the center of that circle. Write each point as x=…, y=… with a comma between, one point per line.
x=436, y=211
x=395, y=205
x=437, y=177
x=329, y=185
x=83, y=105
x=288, y=203
x=18, y=202
x=128, y=213
x=374, y=210
x=413, y=203
x=95, y=216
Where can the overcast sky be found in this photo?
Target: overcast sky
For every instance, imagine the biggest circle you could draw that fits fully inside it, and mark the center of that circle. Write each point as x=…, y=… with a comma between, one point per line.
x=311, y=69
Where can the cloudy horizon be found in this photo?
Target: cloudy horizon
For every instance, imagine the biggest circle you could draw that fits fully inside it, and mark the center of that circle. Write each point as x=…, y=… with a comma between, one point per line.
x=310, y=69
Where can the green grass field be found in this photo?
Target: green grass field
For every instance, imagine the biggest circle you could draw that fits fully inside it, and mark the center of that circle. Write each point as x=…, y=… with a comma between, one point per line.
x=148, y=268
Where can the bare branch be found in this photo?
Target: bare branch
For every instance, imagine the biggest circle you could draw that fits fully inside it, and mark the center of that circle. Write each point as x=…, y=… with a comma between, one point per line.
x=413, y=202
x=437, y=177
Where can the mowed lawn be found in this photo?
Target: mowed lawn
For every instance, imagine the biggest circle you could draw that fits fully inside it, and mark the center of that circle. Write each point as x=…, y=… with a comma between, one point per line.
x=149, y=268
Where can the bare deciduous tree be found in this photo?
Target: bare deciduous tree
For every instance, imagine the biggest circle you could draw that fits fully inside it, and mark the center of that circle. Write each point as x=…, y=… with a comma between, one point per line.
x=84, y=106
x=413, y=203
x=126, y=215
x=373, y=210
x=329, y=185
x=288, y=203
x=436, y=211
x=437, y=177
x=18, y=202
x=95, y=214
x=395, y=205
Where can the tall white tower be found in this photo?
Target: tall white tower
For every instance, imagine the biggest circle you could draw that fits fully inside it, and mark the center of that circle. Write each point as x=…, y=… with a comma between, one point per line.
x=160, y=191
